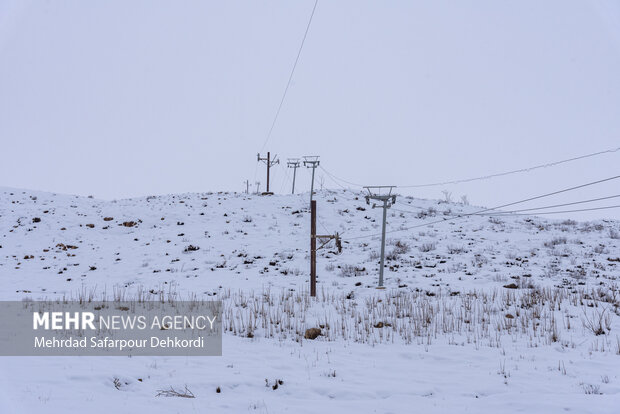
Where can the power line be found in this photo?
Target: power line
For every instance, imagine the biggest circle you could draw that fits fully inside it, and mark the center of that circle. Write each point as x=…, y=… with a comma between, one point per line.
x=521, y=170
x=344, y=189
x=285, y=179
x=559, y=211
x=322, y=225
x=290, y=78
x=497, y=207
x=511, y=212
x=486, y=177
x=553, y=206
x=331, y=178
x=334, y=178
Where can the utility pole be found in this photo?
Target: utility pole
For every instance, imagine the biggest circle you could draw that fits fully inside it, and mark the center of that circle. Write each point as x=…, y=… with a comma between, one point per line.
x=257, y=186
x=269, y=163
x=294, y=164
x=324, y=239
x=313, y=248
x=311, y=161
x=247, y=186
x=388, y=200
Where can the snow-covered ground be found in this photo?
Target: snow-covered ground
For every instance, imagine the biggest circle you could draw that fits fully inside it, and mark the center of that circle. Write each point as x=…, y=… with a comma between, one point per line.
x=480, y=313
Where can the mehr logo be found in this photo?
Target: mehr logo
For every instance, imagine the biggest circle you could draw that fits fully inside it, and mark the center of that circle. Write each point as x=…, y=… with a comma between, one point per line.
x=63, y=320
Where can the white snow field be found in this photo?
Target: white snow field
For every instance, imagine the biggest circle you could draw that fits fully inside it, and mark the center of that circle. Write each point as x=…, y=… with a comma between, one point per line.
x=481, y=314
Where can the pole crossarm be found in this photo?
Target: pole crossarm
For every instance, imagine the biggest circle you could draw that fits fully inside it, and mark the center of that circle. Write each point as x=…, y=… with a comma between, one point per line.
x=292, y=162
x=270, y=163
x=374, y=194
x=325, y=239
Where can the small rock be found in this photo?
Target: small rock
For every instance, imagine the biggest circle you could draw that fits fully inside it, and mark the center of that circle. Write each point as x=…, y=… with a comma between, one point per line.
x=312, y=333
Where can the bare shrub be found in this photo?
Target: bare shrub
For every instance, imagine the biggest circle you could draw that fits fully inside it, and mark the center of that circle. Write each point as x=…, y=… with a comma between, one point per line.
x=430, y=212
x=456, y=249
x=599, y=249
x=351, y=270
x=479, y=260
x=599, y=322
x=427, y=247
x=401, y=247
x=171, y=392
x=447, y=196
x=554, y=242
x=592, y=389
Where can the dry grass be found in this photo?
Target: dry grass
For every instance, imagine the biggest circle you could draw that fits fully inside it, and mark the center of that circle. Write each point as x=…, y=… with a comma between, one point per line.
x=171, y=392
x=540, y=316
x=536, y=315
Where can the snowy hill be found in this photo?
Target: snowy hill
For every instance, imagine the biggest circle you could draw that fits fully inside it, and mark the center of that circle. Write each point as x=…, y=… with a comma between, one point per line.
x=479, y=311
x=240, y=237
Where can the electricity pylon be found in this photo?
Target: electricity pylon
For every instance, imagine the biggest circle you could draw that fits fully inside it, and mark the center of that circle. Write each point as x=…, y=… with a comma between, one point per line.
x=269, y=163
x=311, y=161
x=388, y=200
x=294, y=164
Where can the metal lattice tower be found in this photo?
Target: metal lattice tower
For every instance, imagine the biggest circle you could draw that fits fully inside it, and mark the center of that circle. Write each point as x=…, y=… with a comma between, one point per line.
x=374, y=193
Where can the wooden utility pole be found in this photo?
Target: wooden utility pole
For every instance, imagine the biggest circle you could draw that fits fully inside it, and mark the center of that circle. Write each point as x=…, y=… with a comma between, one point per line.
x=269, y=163
x=313, y=248
x=247, y=186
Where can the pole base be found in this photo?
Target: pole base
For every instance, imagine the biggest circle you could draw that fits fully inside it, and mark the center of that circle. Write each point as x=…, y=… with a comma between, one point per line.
x=267, y=193
x=380, y=287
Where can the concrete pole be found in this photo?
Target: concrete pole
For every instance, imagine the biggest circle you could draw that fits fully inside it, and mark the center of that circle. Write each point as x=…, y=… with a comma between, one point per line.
x=313, y=248
x=383, y=243
x=268, y=166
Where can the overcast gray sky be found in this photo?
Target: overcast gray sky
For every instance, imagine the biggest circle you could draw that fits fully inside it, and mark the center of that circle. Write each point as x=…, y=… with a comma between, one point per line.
x=119, y=99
